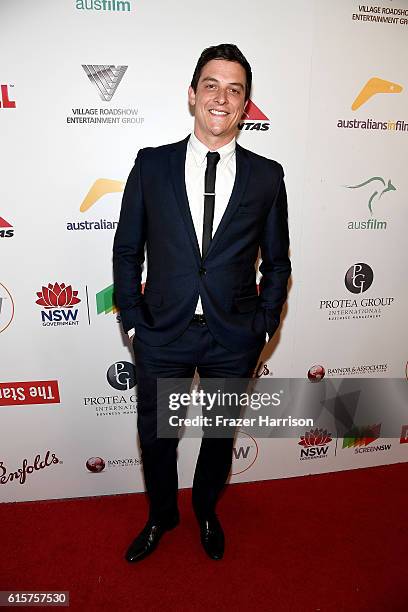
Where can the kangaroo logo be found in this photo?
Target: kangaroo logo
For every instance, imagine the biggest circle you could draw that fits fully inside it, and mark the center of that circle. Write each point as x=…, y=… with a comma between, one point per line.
x=388, y=187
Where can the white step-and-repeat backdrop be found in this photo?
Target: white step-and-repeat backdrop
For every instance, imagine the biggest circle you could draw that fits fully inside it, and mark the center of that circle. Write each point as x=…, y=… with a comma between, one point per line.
x=329, y=102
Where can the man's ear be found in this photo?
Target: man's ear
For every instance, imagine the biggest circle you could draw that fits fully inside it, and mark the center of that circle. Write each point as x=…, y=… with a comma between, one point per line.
x=191, y=96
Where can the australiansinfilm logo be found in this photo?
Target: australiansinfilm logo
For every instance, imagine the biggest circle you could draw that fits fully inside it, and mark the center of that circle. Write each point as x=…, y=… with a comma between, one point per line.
x=370, y=96
x=98, y=196
x=358, y=279
x=121, y=377
x=105, y=80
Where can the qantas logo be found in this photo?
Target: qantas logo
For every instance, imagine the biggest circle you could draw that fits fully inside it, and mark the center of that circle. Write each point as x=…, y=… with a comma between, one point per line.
x=6, y=230
x=253, y=118
x=105, y=78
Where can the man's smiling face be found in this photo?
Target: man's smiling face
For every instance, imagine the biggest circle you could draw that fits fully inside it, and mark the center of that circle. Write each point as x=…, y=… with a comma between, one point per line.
x=218, y=102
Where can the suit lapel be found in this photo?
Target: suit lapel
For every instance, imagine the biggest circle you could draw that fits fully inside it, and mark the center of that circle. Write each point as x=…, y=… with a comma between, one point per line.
x=177, y=171
x=241, y=180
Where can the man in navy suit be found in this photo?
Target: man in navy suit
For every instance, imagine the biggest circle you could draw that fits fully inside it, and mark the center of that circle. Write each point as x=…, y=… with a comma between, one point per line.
x=203, y=207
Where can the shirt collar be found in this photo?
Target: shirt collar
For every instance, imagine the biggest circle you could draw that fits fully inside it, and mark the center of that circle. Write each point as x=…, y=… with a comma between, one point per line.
x=200, y=150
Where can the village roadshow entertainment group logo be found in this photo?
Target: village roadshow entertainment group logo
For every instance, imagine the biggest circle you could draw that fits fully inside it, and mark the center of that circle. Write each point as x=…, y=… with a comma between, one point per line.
x=106, y=79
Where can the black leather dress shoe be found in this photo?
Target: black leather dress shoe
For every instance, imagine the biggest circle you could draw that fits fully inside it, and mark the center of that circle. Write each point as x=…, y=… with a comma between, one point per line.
x=147, y=540
x=212, y=537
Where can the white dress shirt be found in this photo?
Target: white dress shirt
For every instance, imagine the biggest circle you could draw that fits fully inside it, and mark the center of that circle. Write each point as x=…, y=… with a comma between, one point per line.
x=196, y=164
x=195, y=167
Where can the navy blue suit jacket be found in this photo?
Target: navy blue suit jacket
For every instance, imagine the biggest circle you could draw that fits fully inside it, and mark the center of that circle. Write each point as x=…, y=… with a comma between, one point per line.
x=155, y=211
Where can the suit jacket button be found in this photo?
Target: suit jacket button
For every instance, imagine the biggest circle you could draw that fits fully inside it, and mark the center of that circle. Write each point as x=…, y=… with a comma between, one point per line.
x=202, y=271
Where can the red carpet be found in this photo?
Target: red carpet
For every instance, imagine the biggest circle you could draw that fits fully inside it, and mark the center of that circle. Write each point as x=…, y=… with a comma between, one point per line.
x=332, y=542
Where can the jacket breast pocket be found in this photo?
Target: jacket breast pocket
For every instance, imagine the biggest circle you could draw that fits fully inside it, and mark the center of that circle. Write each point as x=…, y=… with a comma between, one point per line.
x=247, y=303
x=153, y=298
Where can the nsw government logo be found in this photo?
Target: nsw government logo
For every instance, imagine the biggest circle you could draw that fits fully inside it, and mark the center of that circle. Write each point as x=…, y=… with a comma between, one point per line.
x=358, y=279
x=315, y=444
x=58, y=301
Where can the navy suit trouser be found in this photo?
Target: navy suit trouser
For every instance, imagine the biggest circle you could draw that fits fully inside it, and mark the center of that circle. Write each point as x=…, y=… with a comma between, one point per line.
x=194, y=348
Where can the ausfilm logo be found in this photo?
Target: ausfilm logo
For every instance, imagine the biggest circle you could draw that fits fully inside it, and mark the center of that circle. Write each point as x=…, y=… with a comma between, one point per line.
x=6, y=97
x=29, y=392
x=118, y=6
x=122, y=377
x=105, y=80
x=27, y=468
x=254, y=119
x=358, y=279
x=315, y=444
x=6, y=229
x=244, y=453
x=372, y=189
x=100, y=188
x=6, y=308
x=59, y=301
x=371, y=89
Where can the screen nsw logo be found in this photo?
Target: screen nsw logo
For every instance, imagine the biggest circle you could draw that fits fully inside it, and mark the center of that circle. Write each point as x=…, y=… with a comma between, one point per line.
x=358, y=279
x=58, y=302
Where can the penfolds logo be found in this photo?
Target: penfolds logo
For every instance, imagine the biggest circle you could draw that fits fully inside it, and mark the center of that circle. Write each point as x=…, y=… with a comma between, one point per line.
x=20, y=474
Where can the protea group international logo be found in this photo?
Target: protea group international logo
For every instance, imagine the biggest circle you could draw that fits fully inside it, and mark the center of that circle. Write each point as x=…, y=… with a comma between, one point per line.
x=59, y=301
x=359, y=278
x=315, y=444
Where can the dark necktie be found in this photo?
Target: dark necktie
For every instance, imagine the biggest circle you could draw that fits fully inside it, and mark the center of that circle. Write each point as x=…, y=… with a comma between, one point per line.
x=209, y=199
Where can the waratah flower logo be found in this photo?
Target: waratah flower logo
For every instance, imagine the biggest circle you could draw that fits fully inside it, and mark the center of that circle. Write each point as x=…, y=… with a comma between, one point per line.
x=315, y=437
x=57, y=296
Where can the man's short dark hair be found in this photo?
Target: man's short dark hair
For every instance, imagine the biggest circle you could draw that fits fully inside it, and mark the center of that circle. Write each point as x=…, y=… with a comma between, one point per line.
x=227, y=52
